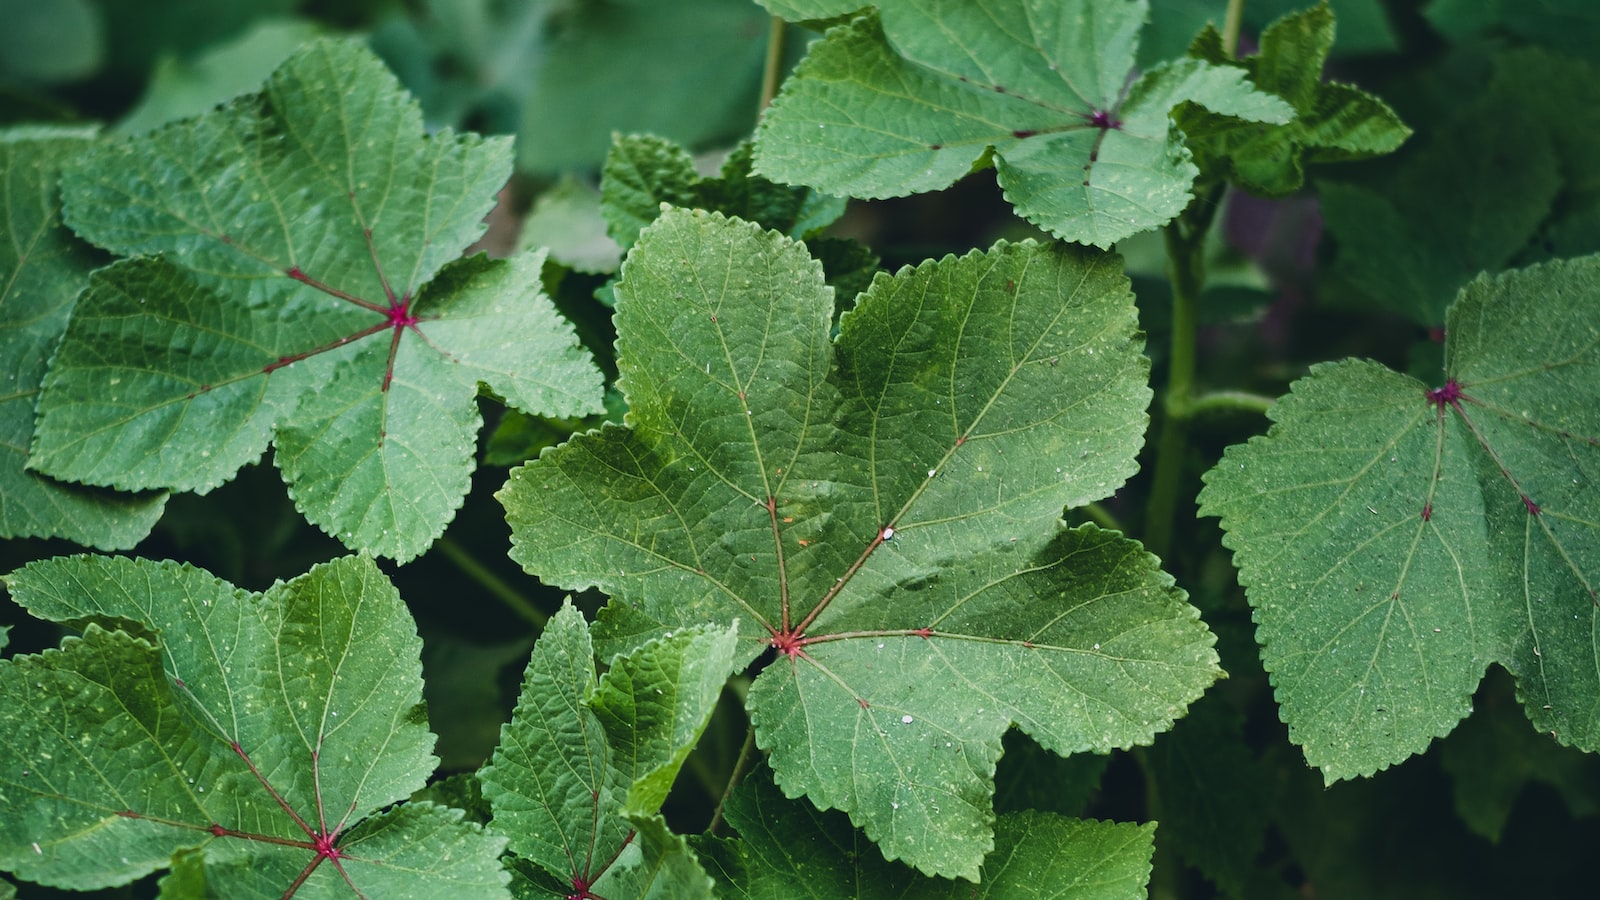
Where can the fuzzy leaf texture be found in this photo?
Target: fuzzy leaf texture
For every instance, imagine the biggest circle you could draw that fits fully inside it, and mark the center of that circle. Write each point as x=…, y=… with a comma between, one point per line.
x=1079, y=149
x=1333, y=122
x=1395, y=538
x=883, y=512
x=308, y=292
x=783, y=844
x=42, y=269
x=260, y=733
x=585, y=763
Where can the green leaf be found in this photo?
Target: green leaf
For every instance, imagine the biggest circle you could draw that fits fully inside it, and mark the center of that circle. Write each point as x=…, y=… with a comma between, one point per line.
x=783, y=845
x=1469, y=200
x=567, y=220
x=1394, y=539
x=1495, y=753
x=643, y=172
x=466, y=60
x=1364, y=25
x=1079, y=150
x=180, y=88
x=1214, y=799
x=1333, y=122
x=262, y=731
x=42, y=269
x=883, y=511
x=306, y=295
x=585, y=763
x=602, y=73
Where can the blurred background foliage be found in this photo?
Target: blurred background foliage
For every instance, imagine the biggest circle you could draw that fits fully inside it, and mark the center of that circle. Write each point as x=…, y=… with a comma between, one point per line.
x=1503, y=170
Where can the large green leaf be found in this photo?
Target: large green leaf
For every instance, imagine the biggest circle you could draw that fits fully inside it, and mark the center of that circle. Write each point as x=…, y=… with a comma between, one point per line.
x=42, y=269
x=1395, y=539
x=1082, y=148
x=786, y=848
x=585, y=763
x=262, y=731
x=308, y=292
x=883, y=512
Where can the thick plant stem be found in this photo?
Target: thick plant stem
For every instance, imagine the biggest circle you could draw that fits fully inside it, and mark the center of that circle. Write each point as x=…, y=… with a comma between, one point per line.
x=494, y=584
x=1186, y=270
x=773, y=70
x=747, y=754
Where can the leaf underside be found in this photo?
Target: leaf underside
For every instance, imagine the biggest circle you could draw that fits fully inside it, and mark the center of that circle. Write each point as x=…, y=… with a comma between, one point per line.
x=1396, y=539
x=1082, y=148
x=882, y=511
x=258, y=733
x=299, y=281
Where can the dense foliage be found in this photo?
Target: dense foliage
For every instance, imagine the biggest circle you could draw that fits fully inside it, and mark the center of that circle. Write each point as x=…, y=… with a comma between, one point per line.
x=604, y=449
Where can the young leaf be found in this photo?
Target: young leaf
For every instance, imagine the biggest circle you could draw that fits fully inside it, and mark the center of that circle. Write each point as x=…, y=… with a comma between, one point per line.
x=783, y=845
x=260, y=731
x=1395, y=539
x=301, y=230
x=585, y=764
x=883, y=513
x=42, y=269
x=1333, y=122
x=643, y=172
x=1080, y=150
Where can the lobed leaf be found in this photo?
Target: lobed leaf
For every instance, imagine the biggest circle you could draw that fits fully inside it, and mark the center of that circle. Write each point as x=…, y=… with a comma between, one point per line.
x=1395, y=539
x=585, y=763
x=1081, y=147
x=42, y=269
x=1333, y=122
x=301, y=285
x=783, y=845
x=882, y=511
x=255, y=734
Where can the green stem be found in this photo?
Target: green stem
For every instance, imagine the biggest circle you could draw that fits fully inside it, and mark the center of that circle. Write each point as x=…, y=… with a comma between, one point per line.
x=1230, y=402
x=494, y=584
x=746, y=755
x=1186, y=270
x=1230, y=27
x=773, y=71
x=1166, y=872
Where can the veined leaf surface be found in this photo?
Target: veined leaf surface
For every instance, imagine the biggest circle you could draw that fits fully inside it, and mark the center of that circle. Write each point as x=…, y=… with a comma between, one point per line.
x=261, y=732
x=1396, y=538
x=585, y=763
x=1082, y=147
x=42, y=269
x=301, y=282
x=883, y=512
